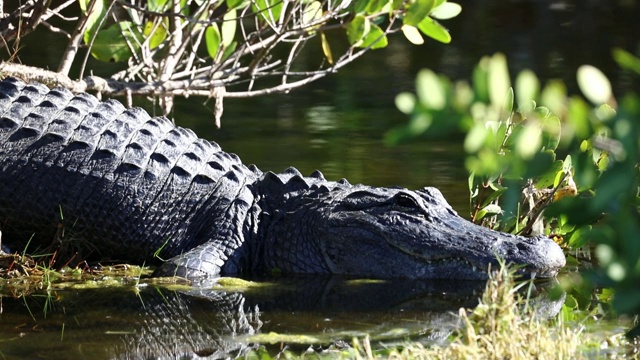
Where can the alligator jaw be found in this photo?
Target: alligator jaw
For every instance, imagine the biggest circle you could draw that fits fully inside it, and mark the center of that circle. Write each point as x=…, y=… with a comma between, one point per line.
x=393, y=238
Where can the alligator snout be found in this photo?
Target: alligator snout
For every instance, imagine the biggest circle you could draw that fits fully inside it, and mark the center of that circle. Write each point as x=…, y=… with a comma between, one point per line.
x=539, y=255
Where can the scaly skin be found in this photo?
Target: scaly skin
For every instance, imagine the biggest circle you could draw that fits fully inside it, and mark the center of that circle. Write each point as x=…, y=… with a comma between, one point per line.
x=104, y=182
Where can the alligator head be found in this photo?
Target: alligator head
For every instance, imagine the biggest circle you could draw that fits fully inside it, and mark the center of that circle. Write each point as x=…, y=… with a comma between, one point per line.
x=393, y=232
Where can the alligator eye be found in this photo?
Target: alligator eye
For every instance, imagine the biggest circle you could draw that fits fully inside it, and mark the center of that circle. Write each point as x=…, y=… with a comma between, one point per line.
x=406, y=201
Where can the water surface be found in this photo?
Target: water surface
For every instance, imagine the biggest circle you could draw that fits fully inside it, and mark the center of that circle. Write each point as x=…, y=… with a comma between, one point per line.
x=335, y=125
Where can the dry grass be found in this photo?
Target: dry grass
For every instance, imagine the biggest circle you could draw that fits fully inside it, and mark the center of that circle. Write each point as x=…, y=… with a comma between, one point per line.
x=500, y=328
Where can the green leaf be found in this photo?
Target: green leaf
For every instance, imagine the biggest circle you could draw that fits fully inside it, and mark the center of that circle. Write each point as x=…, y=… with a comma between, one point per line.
x=418, y=11
x=405, y=102
x=237, y=4
x=552, y=129
x=375, y=39
x=375, y=6
x=499, y=80
x=548, y=178
x=326, y=49
x=269, y=10
x=212, y=39
x=228, y=51
x=475, y=138
x=412, y=34
x=626, y=60
x=481, y=79
x=115, y=43
x=446, y=11
x=228, y=27
x=527, y=88
x=360, y=6
x=155, y=33
x=529, y=141
x=357, y=29
x=554, y=96
x=94, y=19
x=83, y=5
x=508, y=102
x=434, y=30
x=492, y=209
x=494, y=195
x=430, y=90
x=157, y=5
x=579, y=117
x=311, y=13
x=594, y=84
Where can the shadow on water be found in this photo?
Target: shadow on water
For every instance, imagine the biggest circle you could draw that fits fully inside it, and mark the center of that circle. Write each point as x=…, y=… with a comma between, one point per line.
x=155, y=322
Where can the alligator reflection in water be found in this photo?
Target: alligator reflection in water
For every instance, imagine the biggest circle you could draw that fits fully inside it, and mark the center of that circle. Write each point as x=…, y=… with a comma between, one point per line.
x=159, y=323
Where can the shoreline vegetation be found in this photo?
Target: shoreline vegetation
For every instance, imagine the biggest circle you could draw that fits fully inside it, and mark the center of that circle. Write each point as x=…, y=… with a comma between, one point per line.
x=504, y=325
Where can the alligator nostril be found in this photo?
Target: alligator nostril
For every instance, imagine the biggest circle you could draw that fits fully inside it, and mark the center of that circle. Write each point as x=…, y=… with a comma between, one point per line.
x=521, y=246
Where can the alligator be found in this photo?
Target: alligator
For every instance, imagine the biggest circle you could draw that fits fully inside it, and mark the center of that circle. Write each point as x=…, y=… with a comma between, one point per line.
x=97, y=180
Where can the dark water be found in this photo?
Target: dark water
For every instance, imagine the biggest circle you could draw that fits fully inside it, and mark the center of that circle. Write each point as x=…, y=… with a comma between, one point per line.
x=154, y=322
x=335, y=125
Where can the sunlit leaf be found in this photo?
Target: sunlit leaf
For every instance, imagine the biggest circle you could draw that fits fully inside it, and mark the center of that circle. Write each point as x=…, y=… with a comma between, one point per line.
x=626, y=60
x=357, y=29
x=552, y=128
x=228, y=27
x=375, y=39
x=94, y=19
x=405, y=102
x=430, y=90
x=326, y=49
x=579, y=117
x=499, y=80
x=212, y=39
x=237, y=4
x=417, y=12
x=554, y=96
x=594, y=84
x=605, y=112
x=547, y=179
x=229, y=50
x=311, y=13
x=434, y=30
x=375, y=6
x=116, y=43
x=481, y=79
x=508, y=102
x=412, y=34
x=419, y=124
x=491, y=209
x=157, y=5
x=527, y=88
x=446, y=10
x=529, y=141
x=475, y=138
x=155, y=33
x=83, y=5
x=269, y=10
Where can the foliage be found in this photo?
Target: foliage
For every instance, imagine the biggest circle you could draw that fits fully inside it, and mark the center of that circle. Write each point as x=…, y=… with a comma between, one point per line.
x=515, y=149
x=505, y=325
x=236, y=48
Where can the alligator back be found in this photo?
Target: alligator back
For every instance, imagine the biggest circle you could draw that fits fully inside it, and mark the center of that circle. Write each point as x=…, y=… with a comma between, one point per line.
x=106, y=181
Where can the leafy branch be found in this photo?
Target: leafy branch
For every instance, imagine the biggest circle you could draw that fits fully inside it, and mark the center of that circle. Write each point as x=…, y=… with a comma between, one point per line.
x=230, y=48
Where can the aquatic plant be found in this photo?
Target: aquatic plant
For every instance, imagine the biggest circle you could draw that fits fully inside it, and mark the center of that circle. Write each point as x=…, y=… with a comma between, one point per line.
x=568, y=169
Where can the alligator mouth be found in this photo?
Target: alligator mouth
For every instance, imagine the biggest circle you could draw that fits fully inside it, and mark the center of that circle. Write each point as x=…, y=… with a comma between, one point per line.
x=464, y=264
x=461, y=264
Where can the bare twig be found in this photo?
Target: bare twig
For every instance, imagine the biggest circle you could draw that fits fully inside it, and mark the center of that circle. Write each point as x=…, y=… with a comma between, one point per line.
x=74, y=41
